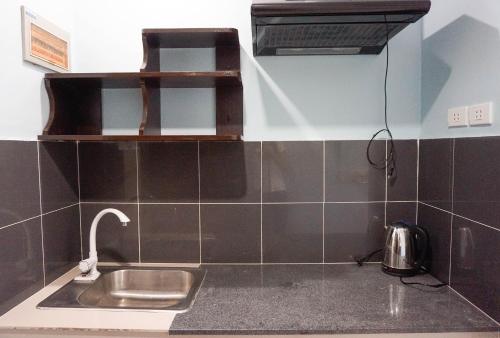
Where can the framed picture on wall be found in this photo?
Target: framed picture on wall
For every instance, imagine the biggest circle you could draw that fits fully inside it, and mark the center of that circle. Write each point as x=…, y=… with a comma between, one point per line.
x=44, y=43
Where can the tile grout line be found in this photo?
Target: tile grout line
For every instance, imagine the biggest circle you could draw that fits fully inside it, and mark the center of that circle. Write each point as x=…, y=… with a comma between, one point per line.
x=138, y=204
x=324, y=199
x=19, y=222
x=474, y=305
x=56, y=210
x=418, y=176
x=281, y=263
x=199, y=199
x=385, y=197
x=452, y=198
x=41, y=212
x=261, y=207
x=79, y=196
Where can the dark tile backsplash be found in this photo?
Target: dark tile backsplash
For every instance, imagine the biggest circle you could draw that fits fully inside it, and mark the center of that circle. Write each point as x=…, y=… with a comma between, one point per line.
x=475, y=264
x=292, y=172
x=170, y=233
x=247, y=202
x=435, y=172
x=348, y=175
x=168, y=172
x=292, y=233
x=19, y=189
x=230, y=232
x=30, y=213
x=58, y=174
x=108, y=171
x=230, y=172
x=353, y=230
x=477, y=176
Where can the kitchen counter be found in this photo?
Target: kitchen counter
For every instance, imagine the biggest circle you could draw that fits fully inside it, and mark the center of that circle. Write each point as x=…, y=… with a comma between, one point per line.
x=329, y=299
x=270, y=300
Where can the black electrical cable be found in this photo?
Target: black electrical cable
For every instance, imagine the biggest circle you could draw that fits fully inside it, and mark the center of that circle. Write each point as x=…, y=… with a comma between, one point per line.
x=389, y=161
x=366, y=258
x=440, y=285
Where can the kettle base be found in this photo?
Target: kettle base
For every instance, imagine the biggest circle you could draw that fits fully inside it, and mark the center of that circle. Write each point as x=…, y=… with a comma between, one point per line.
x=399, y=272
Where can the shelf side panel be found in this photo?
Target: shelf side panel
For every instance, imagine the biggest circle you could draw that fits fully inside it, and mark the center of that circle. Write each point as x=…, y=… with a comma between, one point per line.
x=151, y=115
x=227, y=58
x=151, y=54
x=229, y=110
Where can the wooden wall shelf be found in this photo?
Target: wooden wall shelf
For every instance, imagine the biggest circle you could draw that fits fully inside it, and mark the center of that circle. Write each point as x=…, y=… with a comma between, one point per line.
x=76, y=100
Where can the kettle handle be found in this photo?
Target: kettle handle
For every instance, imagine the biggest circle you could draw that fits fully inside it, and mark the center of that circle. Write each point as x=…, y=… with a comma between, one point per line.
x=425, y=242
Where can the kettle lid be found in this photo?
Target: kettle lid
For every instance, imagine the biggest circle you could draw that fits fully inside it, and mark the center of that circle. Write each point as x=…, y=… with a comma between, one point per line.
x=401, y=224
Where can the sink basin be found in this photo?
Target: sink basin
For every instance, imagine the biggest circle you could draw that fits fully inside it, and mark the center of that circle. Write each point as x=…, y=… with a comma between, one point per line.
x=153, y=289
x=130, y=288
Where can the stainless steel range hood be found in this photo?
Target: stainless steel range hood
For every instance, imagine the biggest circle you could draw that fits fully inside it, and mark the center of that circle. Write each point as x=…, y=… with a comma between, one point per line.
x=326, y=27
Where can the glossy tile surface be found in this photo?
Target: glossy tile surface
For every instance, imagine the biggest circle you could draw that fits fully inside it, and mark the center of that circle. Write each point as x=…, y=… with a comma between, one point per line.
x=477, y=179
x=475, y=269
x=230, y=233
x=437, y=223
x=58, y=174
x=402, y=185
x=292, y=171
x=315, y=299
x=401, y=211
x=292, y=233
x=353, y=230
x=168, y=171
x=21, y=264
x=61, y=241
x=230, y=171
x=169, y=233
x=108, y=171
x=115, y=243
x=348, y=175
x=19, y=192
x=435, y=172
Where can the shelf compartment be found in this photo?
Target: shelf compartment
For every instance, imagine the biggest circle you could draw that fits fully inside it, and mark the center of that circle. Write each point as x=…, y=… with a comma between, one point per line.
x=156, y=138
x=224, y=40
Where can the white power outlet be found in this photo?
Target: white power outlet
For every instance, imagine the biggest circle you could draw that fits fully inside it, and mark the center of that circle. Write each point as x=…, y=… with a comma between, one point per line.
x=480, y=114
x=457, y=117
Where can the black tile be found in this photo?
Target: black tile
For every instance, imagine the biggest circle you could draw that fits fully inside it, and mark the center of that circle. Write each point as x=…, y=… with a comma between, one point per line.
x=115, y=243
x=61, y=241
x=21, y=263
x=230, y=171
x=170, y=233
x=168, y=172
x=19, y=192
x=401, y=211
x=402, y=185
x=348, y=175
x=475, y=270
x=108, y=171
x=435, y=172
x=353, y=230
x=59, y=174
x=477, y=179
x=230, y=233
x=292, y=171
x=437, y=223
x=292, y=233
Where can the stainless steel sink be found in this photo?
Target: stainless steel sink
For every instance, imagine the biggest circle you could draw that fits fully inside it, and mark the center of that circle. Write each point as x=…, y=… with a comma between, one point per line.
x=131, y=288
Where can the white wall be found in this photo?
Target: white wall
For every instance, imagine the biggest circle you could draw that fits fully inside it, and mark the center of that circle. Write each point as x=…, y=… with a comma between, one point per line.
x=24, y=105
x=461, y=64
x=286, y=98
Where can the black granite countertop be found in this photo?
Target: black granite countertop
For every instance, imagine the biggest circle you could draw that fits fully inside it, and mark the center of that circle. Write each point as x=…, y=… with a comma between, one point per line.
x=322, y=299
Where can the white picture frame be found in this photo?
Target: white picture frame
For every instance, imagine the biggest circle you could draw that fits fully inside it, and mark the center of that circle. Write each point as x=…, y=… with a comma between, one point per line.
x=44, y=43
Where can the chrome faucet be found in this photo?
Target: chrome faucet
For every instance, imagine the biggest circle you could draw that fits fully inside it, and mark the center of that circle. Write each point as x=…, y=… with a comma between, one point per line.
x=88, y=266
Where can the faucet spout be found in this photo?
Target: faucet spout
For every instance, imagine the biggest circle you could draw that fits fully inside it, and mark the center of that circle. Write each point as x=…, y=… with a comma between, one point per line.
x=90, y=264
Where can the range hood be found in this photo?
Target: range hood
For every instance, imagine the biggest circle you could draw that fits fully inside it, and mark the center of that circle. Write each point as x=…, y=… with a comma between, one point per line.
x=326, y=27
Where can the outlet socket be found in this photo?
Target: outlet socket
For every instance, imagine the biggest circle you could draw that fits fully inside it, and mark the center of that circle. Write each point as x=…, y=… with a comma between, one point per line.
x=480, y=114
x=457, y=117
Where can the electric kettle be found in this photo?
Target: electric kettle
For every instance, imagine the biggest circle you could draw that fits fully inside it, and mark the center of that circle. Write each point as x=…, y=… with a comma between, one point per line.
x=405, y=249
